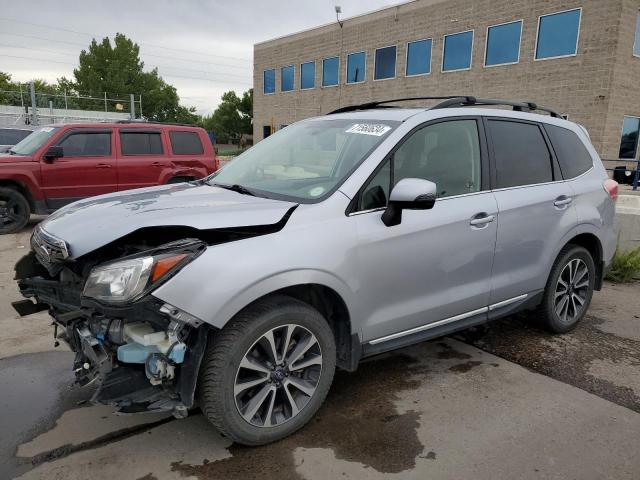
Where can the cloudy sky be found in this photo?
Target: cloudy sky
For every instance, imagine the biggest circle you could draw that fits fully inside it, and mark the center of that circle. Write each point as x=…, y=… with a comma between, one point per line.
x=202, y=47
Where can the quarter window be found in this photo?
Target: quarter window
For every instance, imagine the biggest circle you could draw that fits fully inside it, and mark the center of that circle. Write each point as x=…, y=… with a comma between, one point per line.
x=418, y=57
x=385, y=63
x=356, y=64
x=141, y=143
x=520, y=153
x=558, y=34
x=330, y=71
x=307, y=75
x=636, y=44
x=446, y=153
x=269, y=81
x=457, y=51
x=287, y=75
x=572, y=155
x=186, y=143
x=629, y=140
x=89, y=144
x=503, y=44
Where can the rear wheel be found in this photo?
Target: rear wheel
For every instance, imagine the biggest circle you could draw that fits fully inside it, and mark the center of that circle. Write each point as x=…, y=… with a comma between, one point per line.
x=569, y=290
x=268, y=371
x=14, y=210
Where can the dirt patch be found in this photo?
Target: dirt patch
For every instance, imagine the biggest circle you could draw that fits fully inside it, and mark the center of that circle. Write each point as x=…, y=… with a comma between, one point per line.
x=358, y=421
x=568, y=357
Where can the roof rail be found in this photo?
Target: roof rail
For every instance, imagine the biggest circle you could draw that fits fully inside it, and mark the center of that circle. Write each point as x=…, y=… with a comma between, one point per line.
x=478, y=102
x=451, y=102
x=137, y=121
x=384, y=103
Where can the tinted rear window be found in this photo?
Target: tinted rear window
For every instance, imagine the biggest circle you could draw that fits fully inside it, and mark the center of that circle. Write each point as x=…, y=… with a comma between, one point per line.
x=141, y=143
x=186, y=143
x=573, y=156
x=521, y=154
x=11, y=137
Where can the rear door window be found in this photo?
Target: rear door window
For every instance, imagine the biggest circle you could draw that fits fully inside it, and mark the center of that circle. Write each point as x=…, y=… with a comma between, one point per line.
x=141, y=143
x=520, y=153
x=87, y=144
x=186, y=143
x=573, y=156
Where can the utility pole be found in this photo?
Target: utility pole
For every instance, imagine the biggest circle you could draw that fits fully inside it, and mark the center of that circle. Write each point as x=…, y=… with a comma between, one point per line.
x=132, y=99
x=34, y=106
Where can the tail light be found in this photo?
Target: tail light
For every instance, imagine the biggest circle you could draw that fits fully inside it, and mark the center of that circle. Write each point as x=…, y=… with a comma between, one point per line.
x=611, y=187
x=216, y=164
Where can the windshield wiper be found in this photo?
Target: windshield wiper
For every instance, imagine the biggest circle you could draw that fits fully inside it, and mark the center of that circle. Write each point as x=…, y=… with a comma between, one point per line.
x=235, y=188
x=12, y=152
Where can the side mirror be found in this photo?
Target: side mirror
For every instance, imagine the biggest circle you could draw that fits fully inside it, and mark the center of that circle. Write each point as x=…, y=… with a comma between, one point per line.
x=54, y=152
x=411, y=194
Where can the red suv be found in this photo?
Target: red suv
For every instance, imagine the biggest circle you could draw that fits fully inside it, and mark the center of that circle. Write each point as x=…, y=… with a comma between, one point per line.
x=59, y=164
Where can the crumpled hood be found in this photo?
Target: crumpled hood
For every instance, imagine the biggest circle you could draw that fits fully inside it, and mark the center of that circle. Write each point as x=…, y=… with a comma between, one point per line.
x=89, y=224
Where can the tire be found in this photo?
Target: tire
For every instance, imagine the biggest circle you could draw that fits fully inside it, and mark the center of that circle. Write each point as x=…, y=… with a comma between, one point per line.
x=560, y=312
x=179, y=180
x=224, y=397
x=14, y=210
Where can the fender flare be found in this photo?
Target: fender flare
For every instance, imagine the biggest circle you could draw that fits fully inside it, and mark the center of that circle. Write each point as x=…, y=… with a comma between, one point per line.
x=279, y=281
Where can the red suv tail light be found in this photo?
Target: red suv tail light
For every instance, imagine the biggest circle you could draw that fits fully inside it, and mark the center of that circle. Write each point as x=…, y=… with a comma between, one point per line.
x=611, y=187
x=216, y=164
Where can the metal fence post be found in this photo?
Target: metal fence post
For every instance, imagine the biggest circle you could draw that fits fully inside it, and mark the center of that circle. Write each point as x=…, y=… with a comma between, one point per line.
x=105, y=102
x=34, y=107
x=132, y=99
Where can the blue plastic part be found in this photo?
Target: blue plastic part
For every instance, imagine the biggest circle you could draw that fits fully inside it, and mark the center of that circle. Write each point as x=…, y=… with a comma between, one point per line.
x=137, y=353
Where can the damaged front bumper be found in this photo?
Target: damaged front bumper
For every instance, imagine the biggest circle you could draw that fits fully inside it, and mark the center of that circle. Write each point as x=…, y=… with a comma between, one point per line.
x=144, y=356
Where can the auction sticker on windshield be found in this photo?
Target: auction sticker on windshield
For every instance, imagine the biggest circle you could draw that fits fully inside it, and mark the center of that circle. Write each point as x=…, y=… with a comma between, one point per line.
x=376, y=129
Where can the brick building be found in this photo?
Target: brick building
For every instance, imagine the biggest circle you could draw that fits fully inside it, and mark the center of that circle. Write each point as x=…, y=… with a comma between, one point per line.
x=580, y=57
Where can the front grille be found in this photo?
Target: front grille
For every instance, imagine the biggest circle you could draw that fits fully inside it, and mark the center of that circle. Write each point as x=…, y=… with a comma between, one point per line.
x=48, y=249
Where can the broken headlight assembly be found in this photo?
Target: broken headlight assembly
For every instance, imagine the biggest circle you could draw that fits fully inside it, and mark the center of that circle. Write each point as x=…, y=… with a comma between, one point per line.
x=127, y=280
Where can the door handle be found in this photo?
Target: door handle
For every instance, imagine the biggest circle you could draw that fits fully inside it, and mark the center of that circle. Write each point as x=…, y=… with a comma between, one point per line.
x=562, y=201
x=157, y=164
x=481, y=219
x=103, y=165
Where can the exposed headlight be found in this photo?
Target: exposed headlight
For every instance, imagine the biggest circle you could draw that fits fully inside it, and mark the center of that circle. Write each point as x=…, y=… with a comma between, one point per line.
x=126, y=280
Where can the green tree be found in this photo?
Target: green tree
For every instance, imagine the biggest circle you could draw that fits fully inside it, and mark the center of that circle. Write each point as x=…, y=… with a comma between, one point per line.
x=232, y=118
x=115, y=67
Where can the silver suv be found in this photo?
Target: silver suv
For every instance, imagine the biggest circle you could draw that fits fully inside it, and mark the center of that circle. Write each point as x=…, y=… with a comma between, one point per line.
x=337, y=238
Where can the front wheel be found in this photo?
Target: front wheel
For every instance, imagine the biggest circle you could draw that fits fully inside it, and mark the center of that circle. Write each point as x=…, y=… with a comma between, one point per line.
x=267, y=372
x=14, y=210
x=569, y=289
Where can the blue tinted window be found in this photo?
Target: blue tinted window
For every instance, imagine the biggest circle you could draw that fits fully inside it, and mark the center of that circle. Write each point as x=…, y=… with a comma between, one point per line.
x=629, y=140
x=419, y=57
x=457, y=51
x=308, y=75
x=356, y=63
x=269, y=81
x=287, y=75
x=503, y=44
x=385, y=63
x=636, y=45
x=558, y=34
x=330, y=68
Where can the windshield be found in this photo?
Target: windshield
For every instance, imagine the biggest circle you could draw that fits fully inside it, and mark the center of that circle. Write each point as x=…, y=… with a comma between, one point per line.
x=306, y=160
x=34, y=141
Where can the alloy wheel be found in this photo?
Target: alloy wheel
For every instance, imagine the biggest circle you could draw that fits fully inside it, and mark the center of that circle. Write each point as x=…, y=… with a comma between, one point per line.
x=278, y=376
x=572, y=290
